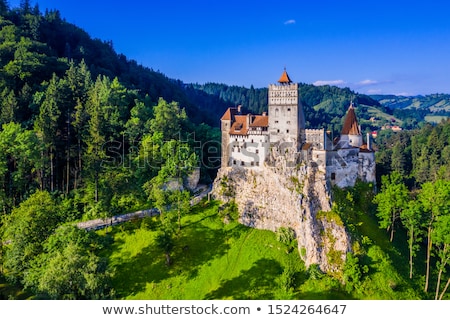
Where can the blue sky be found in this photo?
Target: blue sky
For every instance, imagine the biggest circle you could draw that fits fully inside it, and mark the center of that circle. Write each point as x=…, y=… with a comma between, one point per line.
x=390, y=47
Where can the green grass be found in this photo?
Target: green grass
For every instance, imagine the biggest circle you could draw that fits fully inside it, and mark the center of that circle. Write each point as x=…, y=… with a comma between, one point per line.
x=214, y=260
x=382, y=116
x=211, y=260
x=435, y=119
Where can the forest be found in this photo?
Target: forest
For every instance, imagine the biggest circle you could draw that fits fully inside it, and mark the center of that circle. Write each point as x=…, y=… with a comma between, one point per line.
x=87, y=133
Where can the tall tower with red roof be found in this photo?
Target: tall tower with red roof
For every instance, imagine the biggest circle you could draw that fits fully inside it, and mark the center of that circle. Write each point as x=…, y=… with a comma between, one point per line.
x=351, y=131
x=286, y=118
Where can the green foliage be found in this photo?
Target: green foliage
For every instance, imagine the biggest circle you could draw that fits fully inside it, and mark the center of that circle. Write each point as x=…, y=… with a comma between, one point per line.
x=353, y=273
x=28, y=226
x=69, y=268
x=314, y=272
x=285, y=235
x=391, y=201
x=229, y=211
x=288, y=278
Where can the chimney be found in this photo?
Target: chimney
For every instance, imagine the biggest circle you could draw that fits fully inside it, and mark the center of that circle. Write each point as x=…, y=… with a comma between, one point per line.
x=264, y=114
x=248, y=120
x=239, y=109
x=369, y=147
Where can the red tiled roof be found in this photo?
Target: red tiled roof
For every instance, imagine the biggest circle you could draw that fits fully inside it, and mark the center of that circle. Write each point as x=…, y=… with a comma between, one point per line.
x=284, y=78
x=239, y=127
x=229, y=114
x=259, y=121
x=351, y=123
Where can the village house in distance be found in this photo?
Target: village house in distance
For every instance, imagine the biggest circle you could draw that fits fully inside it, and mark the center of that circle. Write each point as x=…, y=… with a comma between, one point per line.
x=251, y=141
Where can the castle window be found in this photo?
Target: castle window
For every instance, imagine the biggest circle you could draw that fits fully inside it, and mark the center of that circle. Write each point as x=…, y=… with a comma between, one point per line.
x=257, y=163
x=257, y=150
x=278, y=130
x=276, y=112
x=287, y=131
x=288, y=122
x=289, y=109
x=276, y=121
x=252, y=140
x=242, y=163
x=333, y=176
x=234, y=161
x=252, y=163
x=235, y=139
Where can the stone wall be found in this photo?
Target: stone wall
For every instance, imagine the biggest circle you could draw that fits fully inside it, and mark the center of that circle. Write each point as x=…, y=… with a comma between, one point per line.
x=283, y=195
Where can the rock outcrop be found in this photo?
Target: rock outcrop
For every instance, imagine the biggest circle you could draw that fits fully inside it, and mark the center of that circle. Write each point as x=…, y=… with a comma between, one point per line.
x=288, y=193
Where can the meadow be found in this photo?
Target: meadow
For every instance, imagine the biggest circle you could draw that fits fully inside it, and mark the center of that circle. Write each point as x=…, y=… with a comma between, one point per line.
x=217, y=259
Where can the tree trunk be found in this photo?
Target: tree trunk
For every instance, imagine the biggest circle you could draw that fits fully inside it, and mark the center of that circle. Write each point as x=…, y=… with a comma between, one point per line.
x=429, y=244
x=438, y=284
x=441, y=269
x=392, y=226
x=51, y=170
x=96, y=186
x=445, y=289
x=411, y=239
x=168, y=260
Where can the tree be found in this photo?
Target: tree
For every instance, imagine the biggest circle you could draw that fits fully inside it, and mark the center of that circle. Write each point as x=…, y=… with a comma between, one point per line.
x=8, y=106
x=69, y=268
x=20, y=152
x=391, y=200
x=165, y=241
x=168, y=119
x=47, y=123
x=3, y=7
x=28, y=226
x=411, y=218
x=95, y=153
x=434, y=198
x=441, y=239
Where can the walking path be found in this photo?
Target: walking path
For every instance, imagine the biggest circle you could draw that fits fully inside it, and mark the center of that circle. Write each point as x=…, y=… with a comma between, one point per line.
x=96, y=224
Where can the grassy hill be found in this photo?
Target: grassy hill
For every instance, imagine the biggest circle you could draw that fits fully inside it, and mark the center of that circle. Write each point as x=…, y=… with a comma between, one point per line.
x=431, y=108
x=217, y=260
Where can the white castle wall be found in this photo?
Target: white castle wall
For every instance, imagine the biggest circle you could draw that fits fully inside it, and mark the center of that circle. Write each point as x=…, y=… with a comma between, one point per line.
x=248, y=151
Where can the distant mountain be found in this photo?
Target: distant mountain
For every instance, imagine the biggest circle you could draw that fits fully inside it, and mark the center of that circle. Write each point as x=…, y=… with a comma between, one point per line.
x=324, y=106
x=432, y=108
x=432, y=102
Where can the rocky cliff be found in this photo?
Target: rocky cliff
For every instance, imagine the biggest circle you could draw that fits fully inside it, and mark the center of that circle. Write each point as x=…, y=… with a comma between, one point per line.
x=284, y=195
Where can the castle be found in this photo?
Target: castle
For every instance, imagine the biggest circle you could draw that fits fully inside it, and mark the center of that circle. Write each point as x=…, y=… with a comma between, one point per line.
x=250, y=141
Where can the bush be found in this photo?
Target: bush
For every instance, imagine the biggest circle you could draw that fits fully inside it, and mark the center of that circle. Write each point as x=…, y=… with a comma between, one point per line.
x=285, y=235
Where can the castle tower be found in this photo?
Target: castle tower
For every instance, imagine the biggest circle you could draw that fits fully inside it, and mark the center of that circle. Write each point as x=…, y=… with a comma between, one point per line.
x=351, y=131
x=225, y=123
x=286, y=118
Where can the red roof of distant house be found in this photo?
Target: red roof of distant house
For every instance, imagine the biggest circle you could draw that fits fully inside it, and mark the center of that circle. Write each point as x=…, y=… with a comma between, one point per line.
x=351, y=123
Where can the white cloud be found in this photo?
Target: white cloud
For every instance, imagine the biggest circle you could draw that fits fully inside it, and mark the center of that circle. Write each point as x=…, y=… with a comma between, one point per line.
x=404, y=94
x=374, y=91
x=329, y=82
x=291, y=21
x=368, y=82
